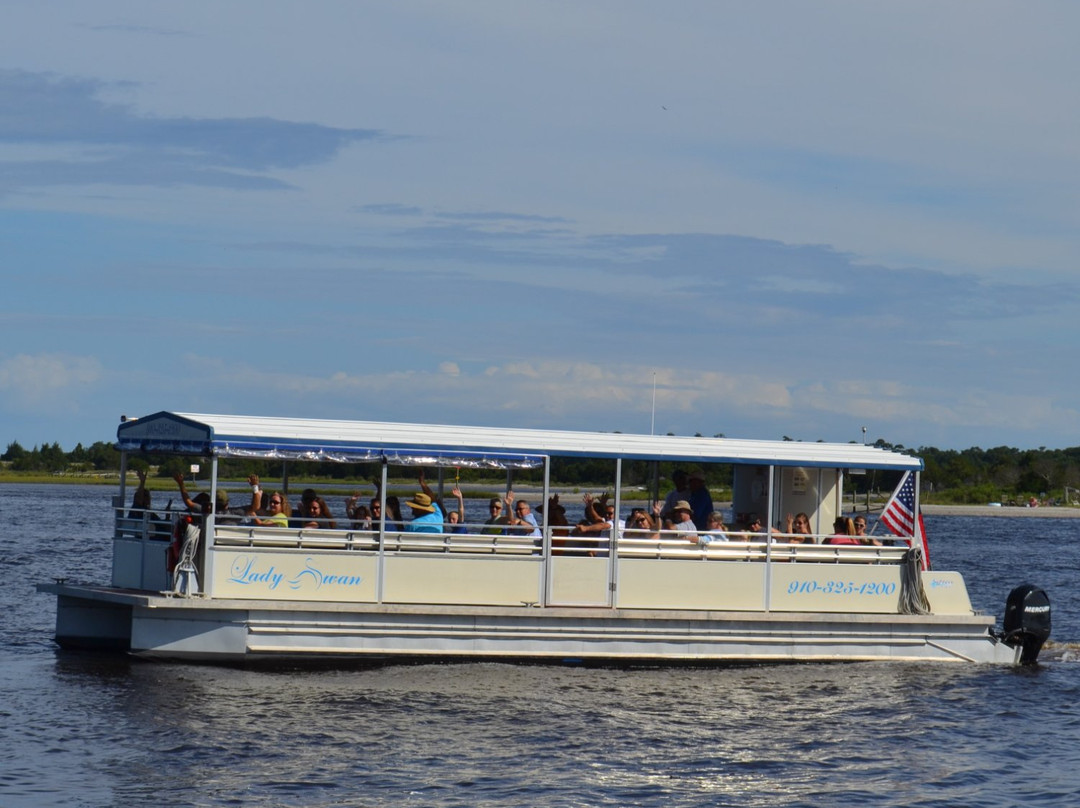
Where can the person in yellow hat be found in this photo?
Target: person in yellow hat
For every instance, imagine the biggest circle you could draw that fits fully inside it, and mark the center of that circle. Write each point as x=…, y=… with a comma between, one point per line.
x=427, y=516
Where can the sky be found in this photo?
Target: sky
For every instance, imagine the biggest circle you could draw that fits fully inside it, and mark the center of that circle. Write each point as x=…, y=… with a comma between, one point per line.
x=755, y=219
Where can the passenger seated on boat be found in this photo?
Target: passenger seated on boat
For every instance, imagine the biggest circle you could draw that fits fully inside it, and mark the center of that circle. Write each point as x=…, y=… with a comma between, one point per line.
x=717, y=530
x=352, y=503
x=225, y=515
x=394, y=520
x=201, y=504
x=860, y=532
x=843, y=532
x=455, y=520
x=494, y=525
x=277, y=507
x=140, y=500
x=682, y=522
x=156, y=528
x=598, y=523
x=298, y=515
x=640, y=525
x=361, y=517
x=560, y=525
x=427, y=515
x=317, y=514
x=798, y=529
x=754, y=529
x=593, y=522
x=522, y=522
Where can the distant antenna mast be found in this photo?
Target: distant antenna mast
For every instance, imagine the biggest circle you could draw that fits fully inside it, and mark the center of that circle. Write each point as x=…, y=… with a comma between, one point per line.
x=652, y=423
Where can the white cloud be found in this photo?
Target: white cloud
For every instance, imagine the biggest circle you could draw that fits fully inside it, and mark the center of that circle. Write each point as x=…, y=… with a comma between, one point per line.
x=549, y=392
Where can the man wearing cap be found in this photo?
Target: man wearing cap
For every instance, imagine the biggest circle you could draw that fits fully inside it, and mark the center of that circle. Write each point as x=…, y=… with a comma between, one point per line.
x=682, y=520
x=223, y=514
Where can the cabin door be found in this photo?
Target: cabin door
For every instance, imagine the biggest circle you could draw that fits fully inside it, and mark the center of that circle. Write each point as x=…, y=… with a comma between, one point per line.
x=579, y=581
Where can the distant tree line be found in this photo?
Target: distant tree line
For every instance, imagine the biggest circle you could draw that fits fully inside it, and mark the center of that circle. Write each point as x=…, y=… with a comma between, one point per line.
x=50, y=458
x=964, y=476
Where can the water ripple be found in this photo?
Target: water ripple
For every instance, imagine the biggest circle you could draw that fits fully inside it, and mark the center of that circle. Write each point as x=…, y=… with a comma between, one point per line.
x=90, y=730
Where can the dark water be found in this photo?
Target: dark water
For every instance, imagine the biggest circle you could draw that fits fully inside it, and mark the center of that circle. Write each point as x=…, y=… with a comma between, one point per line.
x=85, y=730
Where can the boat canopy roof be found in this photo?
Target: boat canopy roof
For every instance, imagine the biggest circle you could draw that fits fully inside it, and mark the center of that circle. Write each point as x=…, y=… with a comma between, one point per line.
x=467, y=446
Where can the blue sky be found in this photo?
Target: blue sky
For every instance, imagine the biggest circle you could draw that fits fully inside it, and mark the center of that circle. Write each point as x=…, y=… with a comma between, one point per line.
x=798, y=219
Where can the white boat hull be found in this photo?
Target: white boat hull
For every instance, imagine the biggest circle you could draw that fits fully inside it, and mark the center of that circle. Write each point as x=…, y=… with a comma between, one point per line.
x=160, y=627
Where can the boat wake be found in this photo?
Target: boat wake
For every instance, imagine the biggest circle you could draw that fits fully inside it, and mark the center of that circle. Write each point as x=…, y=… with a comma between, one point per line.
x=1060, y=652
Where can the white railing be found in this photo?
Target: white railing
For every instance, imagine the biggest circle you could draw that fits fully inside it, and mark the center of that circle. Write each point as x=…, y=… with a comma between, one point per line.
x=661, y=544
x=664, y=547
x=329, y=539
x=139, y=525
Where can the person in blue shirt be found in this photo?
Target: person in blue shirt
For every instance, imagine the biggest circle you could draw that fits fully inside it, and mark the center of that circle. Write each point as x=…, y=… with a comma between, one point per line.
x=700, y=500
x=521, y=520
x=427, y=515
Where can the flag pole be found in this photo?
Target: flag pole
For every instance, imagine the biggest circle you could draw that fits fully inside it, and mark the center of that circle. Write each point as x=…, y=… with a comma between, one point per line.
x=917, y=530
x=652, y=420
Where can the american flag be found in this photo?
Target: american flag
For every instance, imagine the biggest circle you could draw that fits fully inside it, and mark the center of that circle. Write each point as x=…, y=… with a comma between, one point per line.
x=899, y=516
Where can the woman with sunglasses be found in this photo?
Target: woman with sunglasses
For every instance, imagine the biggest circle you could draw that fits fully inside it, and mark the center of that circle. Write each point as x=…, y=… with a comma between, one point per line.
x=277, y=510
x=860, y=532
x=798, y=529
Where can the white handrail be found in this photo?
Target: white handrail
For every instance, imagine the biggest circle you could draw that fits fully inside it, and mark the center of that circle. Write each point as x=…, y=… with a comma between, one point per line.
x=663, y=545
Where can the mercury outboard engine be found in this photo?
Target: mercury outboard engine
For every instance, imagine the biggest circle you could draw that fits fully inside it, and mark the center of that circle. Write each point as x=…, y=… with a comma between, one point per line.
x=1027, y=621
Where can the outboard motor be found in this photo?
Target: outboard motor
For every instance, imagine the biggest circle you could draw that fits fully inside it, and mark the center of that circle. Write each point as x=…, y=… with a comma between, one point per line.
x=1027, y=621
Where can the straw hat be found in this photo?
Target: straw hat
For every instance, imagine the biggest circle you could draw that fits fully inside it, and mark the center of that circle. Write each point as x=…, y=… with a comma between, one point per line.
x=421, y=502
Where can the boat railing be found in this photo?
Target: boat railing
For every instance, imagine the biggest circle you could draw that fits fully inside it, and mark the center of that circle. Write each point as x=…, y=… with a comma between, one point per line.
x=656, y=545
x=141, y=524
x=666, y=545
x=397, y=541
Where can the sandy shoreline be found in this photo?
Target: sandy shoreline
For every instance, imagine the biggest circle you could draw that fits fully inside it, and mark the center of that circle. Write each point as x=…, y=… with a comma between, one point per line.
x=1046, y=512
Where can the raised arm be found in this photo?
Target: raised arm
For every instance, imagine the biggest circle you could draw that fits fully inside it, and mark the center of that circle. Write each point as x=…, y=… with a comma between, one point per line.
x=189, y=503
x=256, y=495
x=424, y=486
x=590, y=509
x=460, y=504
x=352, y=503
